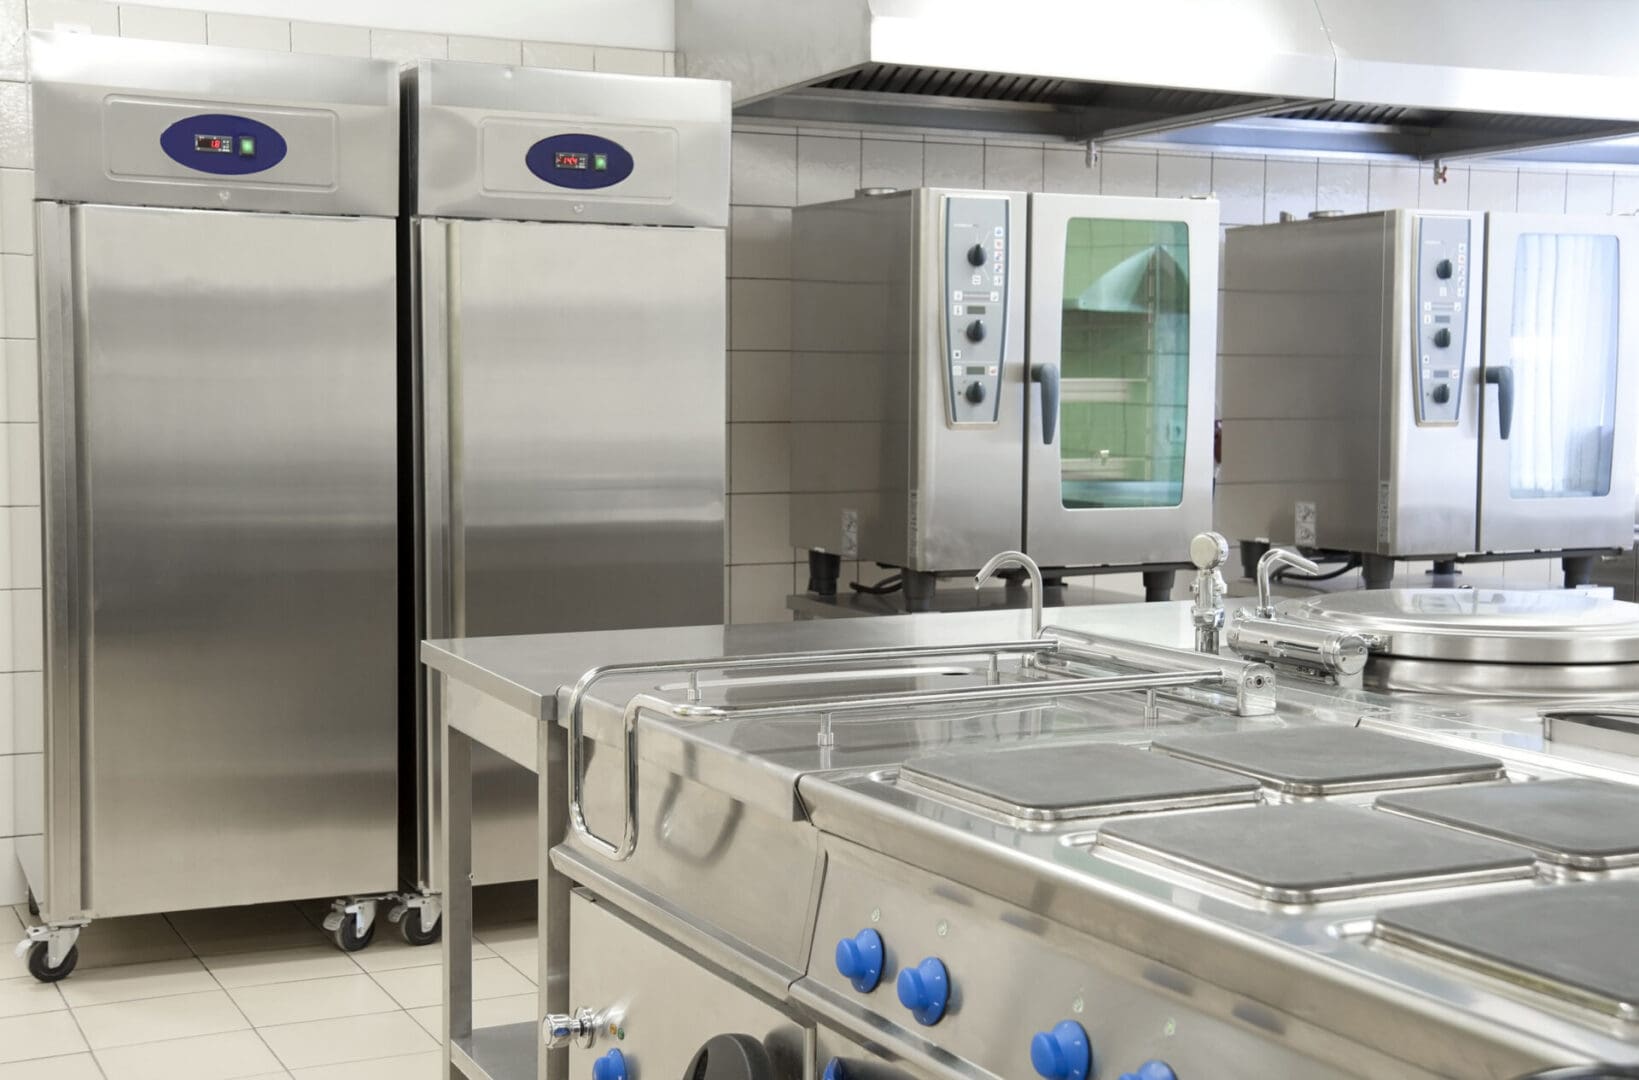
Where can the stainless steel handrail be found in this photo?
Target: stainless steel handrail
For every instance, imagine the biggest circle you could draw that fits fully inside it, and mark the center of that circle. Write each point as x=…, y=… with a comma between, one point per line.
x=622, y=850
x=1251, y=683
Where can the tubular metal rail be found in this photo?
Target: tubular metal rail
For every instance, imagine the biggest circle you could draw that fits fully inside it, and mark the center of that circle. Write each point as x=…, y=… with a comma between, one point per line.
x=1202, y=672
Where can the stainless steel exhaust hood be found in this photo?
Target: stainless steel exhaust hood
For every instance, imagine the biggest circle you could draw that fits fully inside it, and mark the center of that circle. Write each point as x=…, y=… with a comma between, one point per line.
x=1436, y=79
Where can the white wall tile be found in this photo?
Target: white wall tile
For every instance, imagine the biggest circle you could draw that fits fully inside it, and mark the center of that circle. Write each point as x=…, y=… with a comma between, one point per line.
x=20, y=630
x=549, y=54
x=629, y=61
x=1179, y=176
x=8, y=815
x=827, y=168
x=20, y=465
x=953, y=164
x=1451, y=194
x=325, y=39
x=1342, y=186
x=22, y=705
x=1627, y=192
x=756, y=594
x=891, y=163
x=671, y=63
x=248, y=31
x=759, y=242
x=1125, y=172
x=759, y=529
x=759, y=314
x=759, y=457
x=80, y=16
x=19, y=547
x=407, y=46
x=19, y=379
x=1493, y=189
x=16, y=127
x=484, y=50
x=1589, y=193
x=13, y=889
x=17, y=211
x=1067, y=171
x=763, y=169
x=1391, y=186
x=162, y=24
x=1541, y=192
x=759, y=386
x=1289, y=185
x=1013, y=168
x=13, y=40
x=1238, y=184
x=17, y=314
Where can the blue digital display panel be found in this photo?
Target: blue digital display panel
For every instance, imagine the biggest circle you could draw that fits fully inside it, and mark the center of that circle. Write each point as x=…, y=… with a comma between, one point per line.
x=579, y=161
x=223, y=144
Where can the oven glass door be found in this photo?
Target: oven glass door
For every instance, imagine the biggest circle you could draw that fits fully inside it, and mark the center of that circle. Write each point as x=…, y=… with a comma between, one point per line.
x=1557, y=408
x=1123, y=323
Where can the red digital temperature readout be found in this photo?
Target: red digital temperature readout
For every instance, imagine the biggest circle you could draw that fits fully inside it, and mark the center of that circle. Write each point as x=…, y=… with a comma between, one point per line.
x=564, y=159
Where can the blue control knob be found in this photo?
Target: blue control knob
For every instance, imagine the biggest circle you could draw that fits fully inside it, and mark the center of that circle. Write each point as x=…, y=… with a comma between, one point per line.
x=1152, y=1070
x=1063, y=1053
x=925, y=990
x=834, y=1070
x=859, y=960
x=611, y=1066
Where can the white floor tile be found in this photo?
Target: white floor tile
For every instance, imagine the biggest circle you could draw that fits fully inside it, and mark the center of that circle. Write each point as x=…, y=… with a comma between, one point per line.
x=138, y=939
x=414, y=988
x=71, y=1067
x=422, y=1066
x=490, y=1012
x=255, y=928
x=134, y=982
x=524, y=958
x=11, y=924
x=26, y=996
x=228, y=1056
x=23, y=1038
x=497, y=937
x=314, y=999
x=352, y=1038
x=280, y=966
x=390, y=953
x=158, y=1019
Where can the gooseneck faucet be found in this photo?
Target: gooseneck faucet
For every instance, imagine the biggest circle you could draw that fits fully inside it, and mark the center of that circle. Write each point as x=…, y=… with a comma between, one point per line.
x=1276, y=557
x=1016, y=558
x=1208, y=551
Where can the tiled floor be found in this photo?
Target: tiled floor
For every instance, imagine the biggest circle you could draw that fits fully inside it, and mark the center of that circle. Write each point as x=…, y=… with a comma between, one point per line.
x=252, y=993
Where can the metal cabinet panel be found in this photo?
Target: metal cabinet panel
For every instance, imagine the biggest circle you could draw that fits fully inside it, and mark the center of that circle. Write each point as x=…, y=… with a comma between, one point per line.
x=233, y=551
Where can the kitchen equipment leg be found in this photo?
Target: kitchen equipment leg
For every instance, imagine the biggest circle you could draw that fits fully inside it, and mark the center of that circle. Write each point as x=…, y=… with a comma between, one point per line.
x=919, y=586
x=823, y=570
x=455, y=838
x=1378, y=571
x=1251, y=552
x=1158, y=585
x=1579, y=570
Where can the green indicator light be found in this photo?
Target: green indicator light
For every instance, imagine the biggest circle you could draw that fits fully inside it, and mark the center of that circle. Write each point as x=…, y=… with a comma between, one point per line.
x=600, y=162
x=247, y=146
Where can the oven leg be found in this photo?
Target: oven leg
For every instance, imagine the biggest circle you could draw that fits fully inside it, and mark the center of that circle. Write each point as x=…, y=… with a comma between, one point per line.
x=1579, y=570
x=1251, y=552
x=1158, y=585
x=823, y=570
x=1378, y=571
x=919, y=586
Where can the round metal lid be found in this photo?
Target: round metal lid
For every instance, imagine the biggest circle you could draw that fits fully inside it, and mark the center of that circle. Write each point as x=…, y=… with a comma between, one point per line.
x=1503, y=626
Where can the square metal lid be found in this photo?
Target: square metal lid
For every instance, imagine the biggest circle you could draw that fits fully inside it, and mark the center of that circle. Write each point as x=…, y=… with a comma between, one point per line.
x=1587, y=824
x=1303, y=853
x=1058, y=782
x=1576, y=941
x=1332, y=760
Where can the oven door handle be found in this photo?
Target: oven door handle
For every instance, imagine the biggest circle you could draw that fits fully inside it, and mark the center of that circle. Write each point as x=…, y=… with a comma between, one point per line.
x=1503, y=379
x=1048, y=376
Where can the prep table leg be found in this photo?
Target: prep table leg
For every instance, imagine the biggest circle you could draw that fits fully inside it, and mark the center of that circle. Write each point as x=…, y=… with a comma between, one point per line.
x=552, y=911
x=455, y=836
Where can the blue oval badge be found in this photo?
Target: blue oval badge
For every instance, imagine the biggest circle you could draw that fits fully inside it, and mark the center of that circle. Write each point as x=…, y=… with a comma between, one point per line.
x=579, y=161
x=223, y=144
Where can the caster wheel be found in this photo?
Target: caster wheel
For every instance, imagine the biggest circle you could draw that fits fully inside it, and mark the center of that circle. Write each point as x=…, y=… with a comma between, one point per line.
x=43, y=971
x=33, y=905
x=409, y=928
x=347, y=937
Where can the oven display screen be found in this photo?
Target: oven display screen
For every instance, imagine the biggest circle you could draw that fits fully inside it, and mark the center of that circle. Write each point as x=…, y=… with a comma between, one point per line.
x=243, y=145
x=580, y=160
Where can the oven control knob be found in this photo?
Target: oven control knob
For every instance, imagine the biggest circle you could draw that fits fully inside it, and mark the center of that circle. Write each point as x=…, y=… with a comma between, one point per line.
x=1442, y=338
x=976, y=255
x=1151, y=1070
x=1441, y=394
x=925, y=990
x=1063, y=1053
x=859, y=960
x=834, y=1070
x=611, y=1066
x=1442, y=269
x=975, y=392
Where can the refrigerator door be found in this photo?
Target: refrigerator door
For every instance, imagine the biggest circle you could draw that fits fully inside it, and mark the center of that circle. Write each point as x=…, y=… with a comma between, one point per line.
x=1561, y=361
x=578, y=395
x=1123, y=303
x=221, y=511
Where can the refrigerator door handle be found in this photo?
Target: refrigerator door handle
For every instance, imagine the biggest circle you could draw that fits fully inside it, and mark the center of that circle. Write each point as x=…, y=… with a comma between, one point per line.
x=1048, y=376
x=1503, y=380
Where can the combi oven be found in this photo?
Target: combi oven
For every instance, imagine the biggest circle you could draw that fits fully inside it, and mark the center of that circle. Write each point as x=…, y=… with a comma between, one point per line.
x=1434, y=385
x=980, y=371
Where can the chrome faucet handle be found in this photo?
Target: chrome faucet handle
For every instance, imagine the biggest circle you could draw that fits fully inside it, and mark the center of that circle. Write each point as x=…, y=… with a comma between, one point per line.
x=559, y=1030
x=1208, y=551
x=1016, y=558
x=1273, y=558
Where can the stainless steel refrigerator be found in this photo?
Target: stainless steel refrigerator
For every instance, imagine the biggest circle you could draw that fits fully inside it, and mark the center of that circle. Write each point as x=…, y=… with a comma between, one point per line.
x=566, y=276
x=216, y=270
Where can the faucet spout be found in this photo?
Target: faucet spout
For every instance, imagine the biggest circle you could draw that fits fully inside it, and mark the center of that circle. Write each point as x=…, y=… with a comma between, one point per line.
x=1273, y=558
x=1016, y=558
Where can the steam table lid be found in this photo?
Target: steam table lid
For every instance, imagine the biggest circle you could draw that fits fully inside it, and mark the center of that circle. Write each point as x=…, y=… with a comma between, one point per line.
x=1516, y=626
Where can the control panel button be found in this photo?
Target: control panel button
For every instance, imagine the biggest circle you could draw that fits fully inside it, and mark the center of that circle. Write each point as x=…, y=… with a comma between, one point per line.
x=1442, y=338
x=1442, y=269
x=1151, y=1070
x=835, y=1070
x=976, y=331
x=859, y=960
x=1441, y=394
x=925, y=990
x=976, y=254
x=611, y=1066
x=1063, y=1053
x=975, y=393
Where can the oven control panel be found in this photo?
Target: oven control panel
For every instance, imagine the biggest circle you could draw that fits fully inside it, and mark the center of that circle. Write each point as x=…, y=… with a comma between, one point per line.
x=977, y=257
x=1439, y=338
